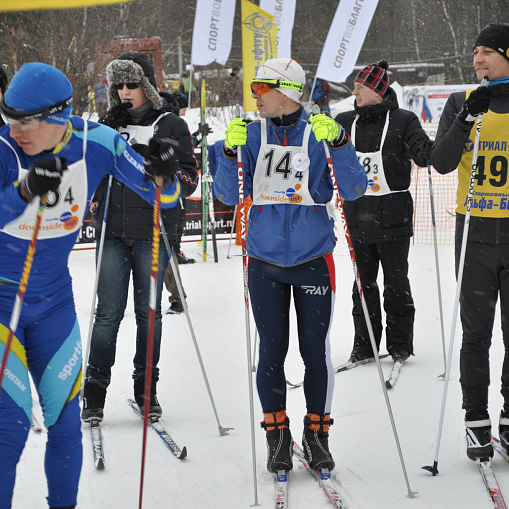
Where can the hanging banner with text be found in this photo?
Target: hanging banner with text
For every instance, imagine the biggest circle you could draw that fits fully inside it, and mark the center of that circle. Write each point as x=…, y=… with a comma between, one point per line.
x=30, y=5
x=345, y=39
x=259, y=34
x=212, y=34
x=284, y=16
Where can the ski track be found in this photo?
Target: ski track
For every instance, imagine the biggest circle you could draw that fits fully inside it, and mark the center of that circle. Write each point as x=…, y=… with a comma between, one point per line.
x=218, y=470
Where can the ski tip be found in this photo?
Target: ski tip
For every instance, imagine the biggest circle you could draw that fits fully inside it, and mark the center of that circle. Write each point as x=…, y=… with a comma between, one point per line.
x=388, y=384
x=99, y=464
x=183, y=454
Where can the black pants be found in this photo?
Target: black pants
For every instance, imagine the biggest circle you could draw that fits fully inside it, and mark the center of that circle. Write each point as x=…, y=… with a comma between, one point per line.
x=485, y=276
x=398, y=302
x=313, y=287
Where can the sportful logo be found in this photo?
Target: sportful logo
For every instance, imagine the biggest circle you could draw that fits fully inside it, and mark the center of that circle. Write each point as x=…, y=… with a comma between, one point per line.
x=75, y=360
x=315, y=290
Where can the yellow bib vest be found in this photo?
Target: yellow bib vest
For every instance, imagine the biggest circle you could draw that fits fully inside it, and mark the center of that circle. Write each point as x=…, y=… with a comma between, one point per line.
x=491, y=184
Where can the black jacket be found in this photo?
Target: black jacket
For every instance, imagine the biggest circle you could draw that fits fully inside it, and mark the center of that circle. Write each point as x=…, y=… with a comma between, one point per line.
x=385, y=218
x=452, y=136
x=129, y=215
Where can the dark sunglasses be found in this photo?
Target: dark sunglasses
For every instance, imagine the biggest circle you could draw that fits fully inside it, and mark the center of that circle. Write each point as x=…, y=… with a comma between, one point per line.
x=130, y=86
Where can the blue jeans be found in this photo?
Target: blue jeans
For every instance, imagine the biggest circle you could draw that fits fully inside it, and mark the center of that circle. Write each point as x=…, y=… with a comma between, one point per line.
x=120, y=257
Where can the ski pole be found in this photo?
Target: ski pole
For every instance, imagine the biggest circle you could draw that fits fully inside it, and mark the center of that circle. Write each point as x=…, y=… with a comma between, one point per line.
x=411, y=493
x=434, y=469
x=151, y=326
x=231, y=233
x=222, y=431
x=16, y=311
x=246, y=312
x=435, y=242
x=94, y=297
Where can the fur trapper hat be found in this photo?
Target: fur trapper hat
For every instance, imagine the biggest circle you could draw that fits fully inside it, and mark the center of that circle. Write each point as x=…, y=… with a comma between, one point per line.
x=132, y=68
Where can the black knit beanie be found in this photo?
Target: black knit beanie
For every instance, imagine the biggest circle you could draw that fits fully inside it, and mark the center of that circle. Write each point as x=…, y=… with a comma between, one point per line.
x=375, y=77
x=495, y=36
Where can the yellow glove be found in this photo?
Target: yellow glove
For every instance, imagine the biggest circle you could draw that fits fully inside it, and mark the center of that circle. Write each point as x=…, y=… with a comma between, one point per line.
x=324, y=127
x=236, y=133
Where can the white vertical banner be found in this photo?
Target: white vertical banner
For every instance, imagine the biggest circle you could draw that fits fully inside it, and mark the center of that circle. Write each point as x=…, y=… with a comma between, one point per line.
x=212, y=34
x=284, y=16
x=345, y=39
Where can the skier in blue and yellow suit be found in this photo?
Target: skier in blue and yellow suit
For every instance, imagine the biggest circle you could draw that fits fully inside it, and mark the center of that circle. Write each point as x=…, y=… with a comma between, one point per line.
x=40, y=140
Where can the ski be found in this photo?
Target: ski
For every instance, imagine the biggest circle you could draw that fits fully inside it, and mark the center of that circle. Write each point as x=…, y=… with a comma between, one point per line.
x=395, y=372
x=343, y=367
x=490, y=481
x=281, y=489
x=323, y=478
x=498, y=447
x=97, y=444
x=156, y=425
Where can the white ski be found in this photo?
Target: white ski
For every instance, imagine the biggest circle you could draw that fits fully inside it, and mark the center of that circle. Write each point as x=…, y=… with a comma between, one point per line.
x=395, y=372
x=323, y=477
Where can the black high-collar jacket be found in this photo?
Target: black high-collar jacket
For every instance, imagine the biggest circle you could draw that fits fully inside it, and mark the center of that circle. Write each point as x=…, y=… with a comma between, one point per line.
x=389, y=217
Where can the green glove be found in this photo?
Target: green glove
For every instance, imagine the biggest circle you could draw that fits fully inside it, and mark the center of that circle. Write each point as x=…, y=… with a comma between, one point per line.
x=324, y=127
x=236, y=133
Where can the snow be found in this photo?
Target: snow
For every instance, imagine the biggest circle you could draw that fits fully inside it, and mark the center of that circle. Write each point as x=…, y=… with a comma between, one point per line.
x=218, y=470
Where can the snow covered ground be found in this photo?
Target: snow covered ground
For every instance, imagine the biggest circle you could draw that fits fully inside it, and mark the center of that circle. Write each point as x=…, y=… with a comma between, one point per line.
x=218, y=471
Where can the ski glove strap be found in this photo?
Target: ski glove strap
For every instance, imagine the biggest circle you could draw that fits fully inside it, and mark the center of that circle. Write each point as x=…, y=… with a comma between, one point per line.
x=44, y=175
x=161, y=160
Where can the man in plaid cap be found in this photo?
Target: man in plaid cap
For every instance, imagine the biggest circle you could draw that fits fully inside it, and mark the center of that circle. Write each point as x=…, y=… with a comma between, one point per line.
x=386, y=139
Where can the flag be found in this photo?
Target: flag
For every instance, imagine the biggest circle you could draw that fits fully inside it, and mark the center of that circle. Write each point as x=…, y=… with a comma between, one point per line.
x=212, y=33
x=30, y=5
x=425, y=113
x=345, y=39
x=284, y=16
x=259, y=34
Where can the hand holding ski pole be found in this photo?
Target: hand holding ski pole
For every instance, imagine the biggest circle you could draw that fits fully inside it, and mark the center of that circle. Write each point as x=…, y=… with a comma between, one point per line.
x=45, y=175
x=161, y=161
x=235, y=134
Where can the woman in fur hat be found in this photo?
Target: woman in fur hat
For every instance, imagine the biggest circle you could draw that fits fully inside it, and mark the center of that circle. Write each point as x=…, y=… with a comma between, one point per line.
x=138, y=112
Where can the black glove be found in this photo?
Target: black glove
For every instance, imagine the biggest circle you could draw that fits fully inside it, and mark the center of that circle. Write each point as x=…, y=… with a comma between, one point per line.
x=204, y=129
x=44, y=175
x=117, y=116
x=139, y=148
x=426, y=151
x=161, y=159
x=478, y=102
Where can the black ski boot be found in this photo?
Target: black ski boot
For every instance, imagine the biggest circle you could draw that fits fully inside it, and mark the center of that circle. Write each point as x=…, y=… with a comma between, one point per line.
x=279, y=441
x=503, y=430
x=315, y=442
x=139, y=396
x=358, y=354
x=478, y=429
x=93, y=402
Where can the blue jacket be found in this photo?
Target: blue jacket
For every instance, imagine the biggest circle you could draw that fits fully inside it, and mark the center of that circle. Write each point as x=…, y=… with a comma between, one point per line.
x=287, y=234
x=106, y=152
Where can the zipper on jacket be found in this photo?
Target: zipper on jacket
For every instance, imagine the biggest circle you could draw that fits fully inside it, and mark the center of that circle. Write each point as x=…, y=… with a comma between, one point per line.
x=287, y=233
x=285, y=138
